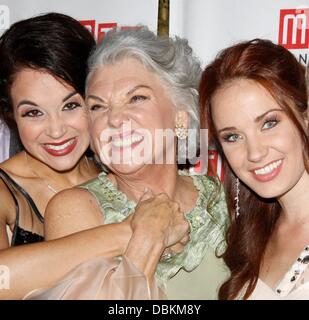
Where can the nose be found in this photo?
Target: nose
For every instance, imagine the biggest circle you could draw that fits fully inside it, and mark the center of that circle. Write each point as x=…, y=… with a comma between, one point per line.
x=116, y=117
x=256, y=150
x=56, y=128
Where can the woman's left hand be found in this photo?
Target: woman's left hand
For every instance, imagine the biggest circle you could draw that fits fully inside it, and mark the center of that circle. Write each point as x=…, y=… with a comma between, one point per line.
x=177, y=247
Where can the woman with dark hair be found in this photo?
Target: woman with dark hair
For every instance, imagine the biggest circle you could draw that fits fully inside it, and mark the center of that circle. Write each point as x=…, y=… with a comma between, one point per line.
x=253, y=100
x=43, y=66
x=41, y=93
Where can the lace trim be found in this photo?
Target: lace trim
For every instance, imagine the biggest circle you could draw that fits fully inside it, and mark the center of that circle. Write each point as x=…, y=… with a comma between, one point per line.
x=291, y=278
x=207, y=228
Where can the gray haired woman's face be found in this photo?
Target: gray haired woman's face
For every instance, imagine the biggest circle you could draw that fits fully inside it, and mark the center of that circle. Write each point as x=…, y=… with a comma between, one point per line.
x=129, y=109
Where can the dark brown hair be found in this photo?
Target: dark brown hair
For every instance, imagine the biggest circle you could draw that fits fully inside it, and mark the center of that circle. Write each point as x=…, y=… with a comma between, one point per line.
x=278, y=71
x=53, y=42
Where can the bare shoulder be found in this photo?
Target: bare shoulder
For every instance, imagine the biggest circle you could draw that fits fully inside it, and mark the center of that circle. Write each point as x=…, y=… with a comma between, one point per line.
x=71, y=211
x=72, y=198
x=7, y=207
x=7, y=214
x=15, y=165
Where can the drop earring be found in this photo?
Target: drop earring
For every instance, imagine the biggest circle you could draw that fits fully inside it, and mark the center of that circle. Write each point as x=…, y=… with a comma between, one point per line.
x=237, y=207
x=181, y=131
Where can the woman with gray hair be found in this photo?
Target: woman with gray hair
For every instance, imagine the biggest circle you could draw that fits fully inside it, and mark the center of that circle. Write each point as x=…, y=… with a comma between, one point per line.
x=142, y=101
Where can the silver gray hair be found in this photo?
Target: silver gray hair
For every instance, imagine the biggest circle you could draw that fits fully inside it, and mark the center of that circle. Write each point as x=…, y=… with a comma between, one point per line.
x=171, y=59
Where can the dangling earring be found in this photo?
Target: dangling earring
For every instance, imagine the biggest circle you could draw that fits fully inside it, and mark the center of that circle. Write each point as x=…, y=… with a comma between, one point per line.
x=181, y=131
x=237, y=198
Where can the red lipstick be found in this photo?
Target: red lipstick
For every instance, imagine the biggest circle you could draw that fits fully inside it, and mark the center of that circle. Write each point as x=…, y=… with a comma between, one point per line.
x=59, y=152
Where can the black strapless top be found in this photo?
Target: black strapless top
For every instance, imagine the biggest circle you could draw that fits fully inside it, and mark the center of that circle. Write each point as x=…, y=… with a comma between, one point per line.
x=21, y=236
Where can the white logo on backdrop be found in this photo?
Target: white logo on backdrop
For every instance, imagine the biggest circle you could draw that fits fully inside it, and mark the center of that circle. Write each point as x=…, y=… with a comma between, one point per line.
x=299, y=21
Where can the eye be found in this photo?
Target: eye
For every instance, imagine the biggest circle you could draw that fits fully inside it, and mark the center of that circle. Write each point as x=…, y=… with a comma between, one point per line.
x=32, y=113
x=138, y=98
x=270, y=123
x=71, y=106
x=98, y=107
x=231, y=137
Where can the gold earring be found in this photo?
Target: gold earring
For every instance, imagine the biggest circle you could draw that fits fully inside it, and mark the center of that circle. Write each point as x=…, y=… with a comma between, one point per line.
x=181, y=131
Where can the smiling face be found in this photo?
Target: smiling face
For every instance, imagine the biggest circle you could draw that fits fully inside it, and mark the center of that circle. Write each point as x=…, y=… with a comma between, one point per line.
x=51, y=119
x=260, y=142
x=128, y=103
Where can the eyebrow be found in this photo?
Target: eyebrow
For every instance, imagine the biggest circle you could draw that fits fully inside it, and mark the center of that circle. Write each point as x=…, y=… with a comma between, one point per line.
x=257, y=119
x=69, y=96
x=137, y=87
x=28, y=102
x=227, y=129
x=91, y=96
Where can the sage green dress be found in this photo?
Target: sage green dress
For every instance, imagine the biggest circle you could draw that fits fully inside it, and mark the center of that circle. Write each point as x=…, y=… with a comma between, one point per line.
x=196, y=272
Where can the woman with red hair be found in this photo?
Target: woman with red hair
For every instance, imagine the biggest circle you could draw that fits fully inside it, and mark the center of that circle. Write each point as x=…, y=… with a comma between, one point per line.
x=253, y=101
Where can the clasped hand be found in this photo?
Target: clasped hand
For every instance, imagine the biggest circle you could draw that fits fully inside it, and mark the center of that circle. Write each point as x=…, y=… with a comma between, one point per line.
x=162, y=219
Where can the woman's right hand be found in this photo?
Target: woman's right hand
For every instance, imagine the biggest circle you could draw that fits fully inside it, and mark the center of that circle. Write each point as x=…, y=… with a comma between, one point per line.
x=161, y=219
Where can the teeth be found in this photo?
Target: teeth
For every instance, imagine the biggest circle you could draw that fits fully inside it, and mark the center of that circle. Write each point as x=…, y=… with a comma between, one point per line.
x=61, y=147
x=268, y=169
x=126, y=142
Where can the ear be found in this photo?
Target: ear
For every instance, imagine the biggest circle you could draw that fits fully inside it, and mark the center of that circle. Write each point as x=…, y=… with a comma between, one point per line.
x=182, y=119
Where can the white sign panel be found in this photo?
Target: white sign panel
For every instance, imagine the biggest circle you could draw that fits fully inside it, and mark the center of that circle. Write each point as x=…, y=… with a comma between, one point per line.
x=98, y=15
x=211, y=25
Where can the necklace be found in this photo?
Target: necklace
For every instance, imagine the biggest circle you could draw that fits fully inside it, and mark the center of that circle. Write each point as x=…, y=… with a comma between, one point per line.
x=51, y=188
x=48, y=185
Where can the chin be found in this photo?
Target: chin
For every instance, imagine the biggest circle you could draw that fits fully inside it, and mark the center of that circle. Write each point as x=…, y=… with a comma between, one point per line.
x=126, y=169
x=62, y=164
x=269, y=192
x=62, y=167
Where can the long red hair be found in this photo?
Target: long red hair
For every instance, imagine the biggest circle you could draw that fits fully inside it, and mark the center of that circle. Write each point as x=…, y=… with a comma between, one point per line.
x=278, y=71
